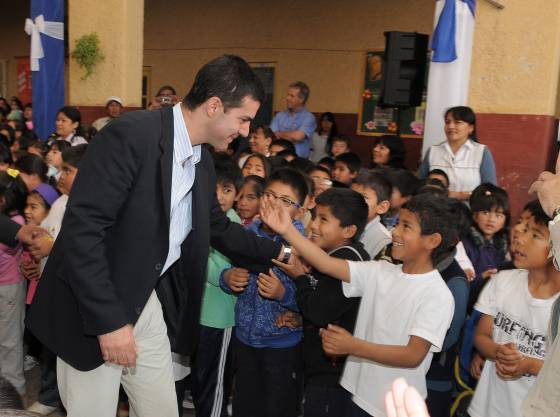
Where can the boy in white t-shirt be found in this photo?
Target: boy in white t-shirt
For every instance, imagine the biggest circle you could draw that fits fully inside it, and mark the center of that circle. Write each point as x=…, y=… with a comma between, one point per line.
x=405, y=309
x=516, y=306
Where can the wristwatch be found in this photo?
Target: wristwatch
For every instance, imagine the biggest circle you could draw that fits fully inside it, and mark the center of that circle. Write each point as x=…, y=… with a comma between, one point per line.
x=286, y=253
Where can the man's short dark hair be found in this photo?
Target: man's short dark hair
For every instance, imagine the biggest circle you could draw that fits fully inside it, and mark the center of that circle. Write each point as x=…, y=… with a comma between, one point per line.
x=436, y=214
x=303, y=90
x=351, y=160
x=378, y=183
x=301, y=164
x=227, y=171
x=73, y=156
x=227, y=77
x=293, y=179
x=348, y=206
x=284, y=143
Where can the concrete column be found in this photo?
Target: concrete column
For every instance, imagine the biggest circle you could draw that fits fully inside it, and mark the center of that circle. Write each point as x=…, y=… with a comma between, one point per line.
x=120, y=27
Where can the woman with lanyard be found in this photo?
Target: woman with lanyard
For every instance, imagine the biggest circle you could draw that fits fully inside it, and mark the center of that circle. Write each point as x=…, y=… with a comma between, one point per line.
x=68, y=126
x=466, y=162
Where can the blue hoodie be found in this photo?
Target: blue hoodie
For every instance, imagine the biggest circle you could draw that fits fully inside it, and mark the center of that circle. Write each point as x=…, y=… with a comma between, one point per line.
x=255, y=315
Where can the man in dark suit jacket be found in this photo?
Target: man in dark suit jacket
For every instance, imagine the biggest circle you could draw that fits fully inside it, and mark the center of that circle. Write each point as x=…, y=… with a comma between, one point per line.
x=95, y=306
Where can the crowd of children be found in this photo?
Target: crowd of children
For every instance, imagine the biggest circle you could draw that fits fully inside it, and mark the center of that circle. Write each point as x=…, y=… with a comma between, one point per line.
x=387, y=276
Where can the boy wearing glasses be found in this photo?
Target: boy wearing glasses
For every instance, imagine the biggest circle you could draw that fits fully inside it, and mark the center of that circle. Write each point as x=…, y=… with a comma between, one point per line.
x=268, y=368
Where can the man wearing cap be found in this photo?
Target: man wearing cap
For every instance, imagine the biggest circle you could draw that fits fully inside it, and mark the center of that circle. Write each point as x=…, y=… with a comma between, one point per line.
x=114, y=109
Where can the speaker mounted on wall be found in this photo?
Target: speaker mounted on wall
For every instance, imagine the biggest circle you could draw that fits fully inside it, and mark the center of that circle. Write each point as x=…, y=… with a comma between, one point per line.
x=404, y=69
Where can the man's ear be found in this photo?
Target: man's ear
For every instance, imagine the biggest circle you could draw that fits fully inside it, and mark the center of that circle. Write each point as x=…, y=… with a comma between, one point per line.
x=383, y=207
x=213, y=106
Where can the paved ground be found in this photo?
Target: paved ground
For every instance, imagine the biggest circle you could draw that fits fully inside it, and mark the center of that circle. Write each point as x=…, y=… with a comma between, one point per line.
x=33, y=380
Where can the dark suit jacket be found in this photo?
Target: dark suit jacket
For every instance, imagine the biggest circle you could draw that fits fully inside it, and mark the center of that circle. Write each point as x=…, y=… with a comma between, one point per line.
x=8, y=230
x=114, y=241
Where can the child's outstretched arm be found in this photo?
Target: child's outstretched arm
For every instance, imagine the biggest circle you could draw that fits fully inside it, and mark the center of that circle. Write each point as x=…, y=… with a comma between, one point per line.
x=338, y=341
x=279, y=220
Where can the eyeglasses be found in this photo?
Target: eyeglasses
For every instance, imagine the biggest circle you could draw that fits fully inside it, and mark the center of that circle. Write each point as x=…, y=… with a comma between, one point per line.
x=286, y=202
x=321, y=180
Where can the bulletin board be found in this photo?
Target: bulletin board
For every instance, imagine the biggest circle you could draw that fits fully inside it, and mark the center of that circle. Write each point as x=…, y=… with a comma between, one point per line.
x=375, y=121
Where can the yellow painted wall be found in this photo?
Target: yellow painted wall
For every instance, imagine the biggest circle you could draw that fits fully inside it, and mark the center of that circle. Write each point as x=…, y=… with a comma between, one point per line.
x=14, y=42
x=516, y=57
x=119, y=25
x=320, y=42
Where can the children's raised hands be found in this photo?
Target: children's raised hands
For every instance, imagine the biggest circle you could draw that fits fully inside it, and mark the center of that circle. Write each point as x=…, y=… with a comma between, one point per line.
x=275, y=215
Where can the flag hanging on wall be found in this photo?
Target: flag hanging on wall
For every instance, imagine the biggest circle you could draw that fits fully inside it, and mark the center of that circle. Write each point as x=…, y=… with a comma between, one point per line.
x=46, y=30
x=448, y=80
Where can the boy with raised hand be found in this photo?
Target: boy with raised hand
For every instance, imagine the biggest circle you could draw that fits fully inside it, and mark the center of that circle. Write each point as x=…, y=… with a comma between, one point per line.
x=516, y=306
x=339, y=219
x=405, y=309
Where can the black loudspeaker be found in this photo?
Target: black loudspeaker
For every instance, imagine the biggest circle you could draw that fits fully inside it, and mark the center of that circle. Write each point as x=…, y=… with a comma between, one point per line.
x=404, y=69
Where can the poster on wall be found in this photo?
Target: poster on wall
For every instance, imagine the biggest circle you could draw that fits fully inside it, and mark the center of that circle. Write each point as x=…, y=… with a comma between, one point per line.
x=24, y=80
x=375, y=121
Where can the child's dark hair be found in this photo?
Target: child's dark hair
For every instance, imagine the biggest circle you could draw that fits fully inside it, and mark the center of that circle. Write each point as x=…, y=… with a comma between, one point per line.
x=441, y=172
x=348, y=206
x=39, y=145
x=60, y=145
x=301, y=164
x=32, y=164
x=340, y=139
x=535, y=208
x=488, y=196
x=405, y=181
x=267, y=131
x=14, y=192
x=228, y=172
x=284, y=143
x=73, y=155
x=293, y=179
x=287, y=153
x=328, y=161
x=436, y=214
x=5, y=155
x=319, y=168
x=257, y=182
x=433, y=187
x=264, y=161
x=378, y=183
x=351, y=160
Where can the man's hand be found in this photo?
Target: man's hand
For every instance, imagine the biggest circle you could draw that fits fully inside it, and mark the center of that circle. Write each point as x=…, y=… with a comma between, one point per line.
x=41, y=246
x=28, y=232
x=337, y=340
x=237, y=279
x=547, y=188
x=404, y=401
x=270, y=286
x=119, y=347
x=294, y=268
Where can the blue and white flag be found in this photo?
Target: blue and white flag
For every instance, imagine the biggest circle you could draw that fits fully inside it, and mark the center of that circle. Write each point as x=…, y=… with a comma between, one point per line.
x=46, y=28
x=449, y=76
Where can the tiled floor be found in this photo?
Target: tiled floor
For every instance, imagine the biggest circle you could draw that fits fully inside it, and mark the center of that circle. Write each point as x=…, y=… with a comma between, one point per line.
x=33, y=380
